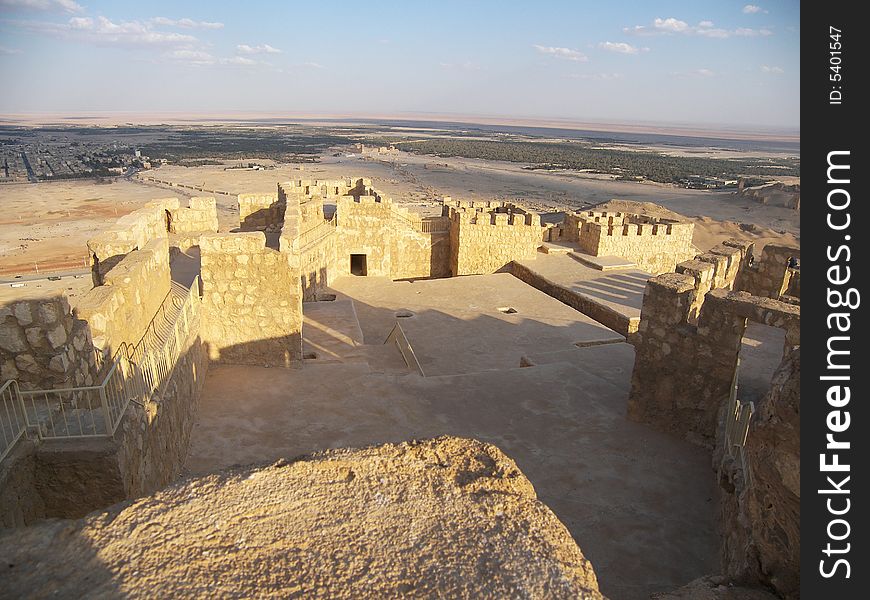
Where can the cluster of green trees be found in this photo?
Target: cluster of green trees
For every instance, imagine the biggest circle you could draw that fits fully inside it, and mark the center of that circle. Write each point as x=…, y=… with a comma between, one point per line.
x=192, y=144
x=624, y=163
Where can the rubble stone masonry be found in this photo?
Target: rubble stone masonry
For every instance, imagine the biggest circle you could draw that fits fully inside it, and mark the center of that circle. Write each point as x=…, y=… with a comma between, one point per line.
x=121, y=309
x=199, y=217
x=43, y=345
x=682, y=374
x=259, y=211
x=770, y=274
x=485, y=242
x=252, y=300
x=130, y=232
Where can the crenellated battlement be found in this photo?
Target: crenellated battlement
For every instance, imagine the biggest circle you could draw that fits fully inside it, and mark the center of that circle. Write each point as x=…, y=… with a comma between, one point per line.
x=327, y=188
x=655, y=244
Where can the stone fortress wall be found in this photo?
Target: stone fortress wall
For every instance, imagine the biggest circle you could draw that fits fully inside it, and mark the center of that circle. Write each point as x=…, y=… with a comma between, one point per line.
x=71, y=347
x=771, y=275
x=199, y=215
x=119, y=310
x=686, y=356
x=487, y=236
x=42, y=345
x=128, y=233
x=654, y=244
x=259, y=211
x=252, y=303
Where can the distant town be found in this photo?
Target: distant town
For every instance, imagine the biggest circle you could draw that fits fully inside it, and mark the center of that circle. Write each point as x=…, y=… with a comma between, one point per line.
x=33, y=154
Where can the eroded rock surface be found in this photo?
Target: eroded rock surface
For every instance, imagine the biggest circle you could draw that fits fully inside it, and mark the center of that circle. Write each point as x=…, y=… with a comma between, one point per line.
x=447, y=517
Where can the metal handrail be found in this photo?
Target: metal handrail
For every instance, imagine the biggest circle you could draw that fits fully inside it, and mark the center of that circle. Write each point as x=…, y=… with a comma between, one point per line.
x=397, y=335
x=136, y=374
x=13, y=423
x=737, y=418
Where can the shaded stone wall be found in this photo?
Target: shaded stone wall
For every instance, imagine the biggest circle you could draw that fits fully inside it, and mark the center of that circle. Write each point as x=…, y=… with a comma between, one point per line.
x=761, y=515
x=260, y=211
x=252, y=300
x=770, y=275
x=20, y=504
x=317, y=265
x=199, y=216
x=682, y=373
x=485, y=242
x=121, y=309
x=43, y=345
x=655, y=245
x=417, y=254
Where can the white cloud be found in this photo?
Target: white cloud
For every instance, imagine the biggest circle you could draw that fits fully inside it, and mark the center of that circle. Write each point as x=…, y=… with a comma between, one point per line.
x=4, y=51
x=562, y=53
x=104, y=32
x=185, y=23
x=752, y=9
x=261, y=49
x=621, y=48
x=671, y=24
x=704, y=72
x=712, y=32
x=238, y=61
x=44, y=5
x=191, y=57
x=704, y=28
x=313, y=65
x=769, y=69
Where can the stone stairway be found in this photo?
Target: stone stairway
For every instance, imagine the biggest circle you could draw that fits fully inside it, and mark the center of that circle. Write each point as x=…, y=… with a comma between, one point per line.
x=331, y=333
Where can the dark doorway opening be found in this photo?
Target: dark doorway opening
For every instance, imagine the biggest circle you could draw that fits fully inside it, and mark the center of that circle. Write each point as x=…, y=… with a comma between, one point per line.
x=358, y=264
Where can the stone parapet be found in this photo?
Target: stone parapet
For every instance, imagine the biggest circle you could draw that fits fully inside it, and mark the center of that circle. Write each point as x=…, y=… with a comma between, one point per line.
x=252, y=300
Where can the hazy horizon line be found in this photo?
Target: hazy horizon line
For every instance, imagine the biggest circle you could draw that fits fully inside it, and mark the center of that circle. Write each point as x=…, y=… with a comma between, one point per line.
x=688, y=129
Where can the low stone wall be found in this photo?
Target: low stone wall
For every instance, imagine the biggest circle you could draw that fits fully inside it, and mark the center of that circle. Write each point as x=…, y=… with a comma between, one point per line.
x=770, y=275
x=761, y=520
x=43, y=345
x=682, y=373
x=120, y=310
x=128, y=233
x=70, y=478
x=606, y=316
x=260, y=211
x=252, y=300
x=199, y=216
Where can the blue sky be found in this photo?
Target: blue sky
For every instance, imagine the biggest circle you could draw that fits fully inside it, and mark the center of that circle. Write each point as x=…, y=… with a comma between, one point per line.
x=707, y=63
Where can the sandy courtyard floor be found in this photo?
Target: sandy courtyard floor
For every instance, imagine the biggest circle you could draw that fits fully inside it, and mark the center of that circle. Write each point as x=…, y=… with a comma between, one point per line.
x=639, y=503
